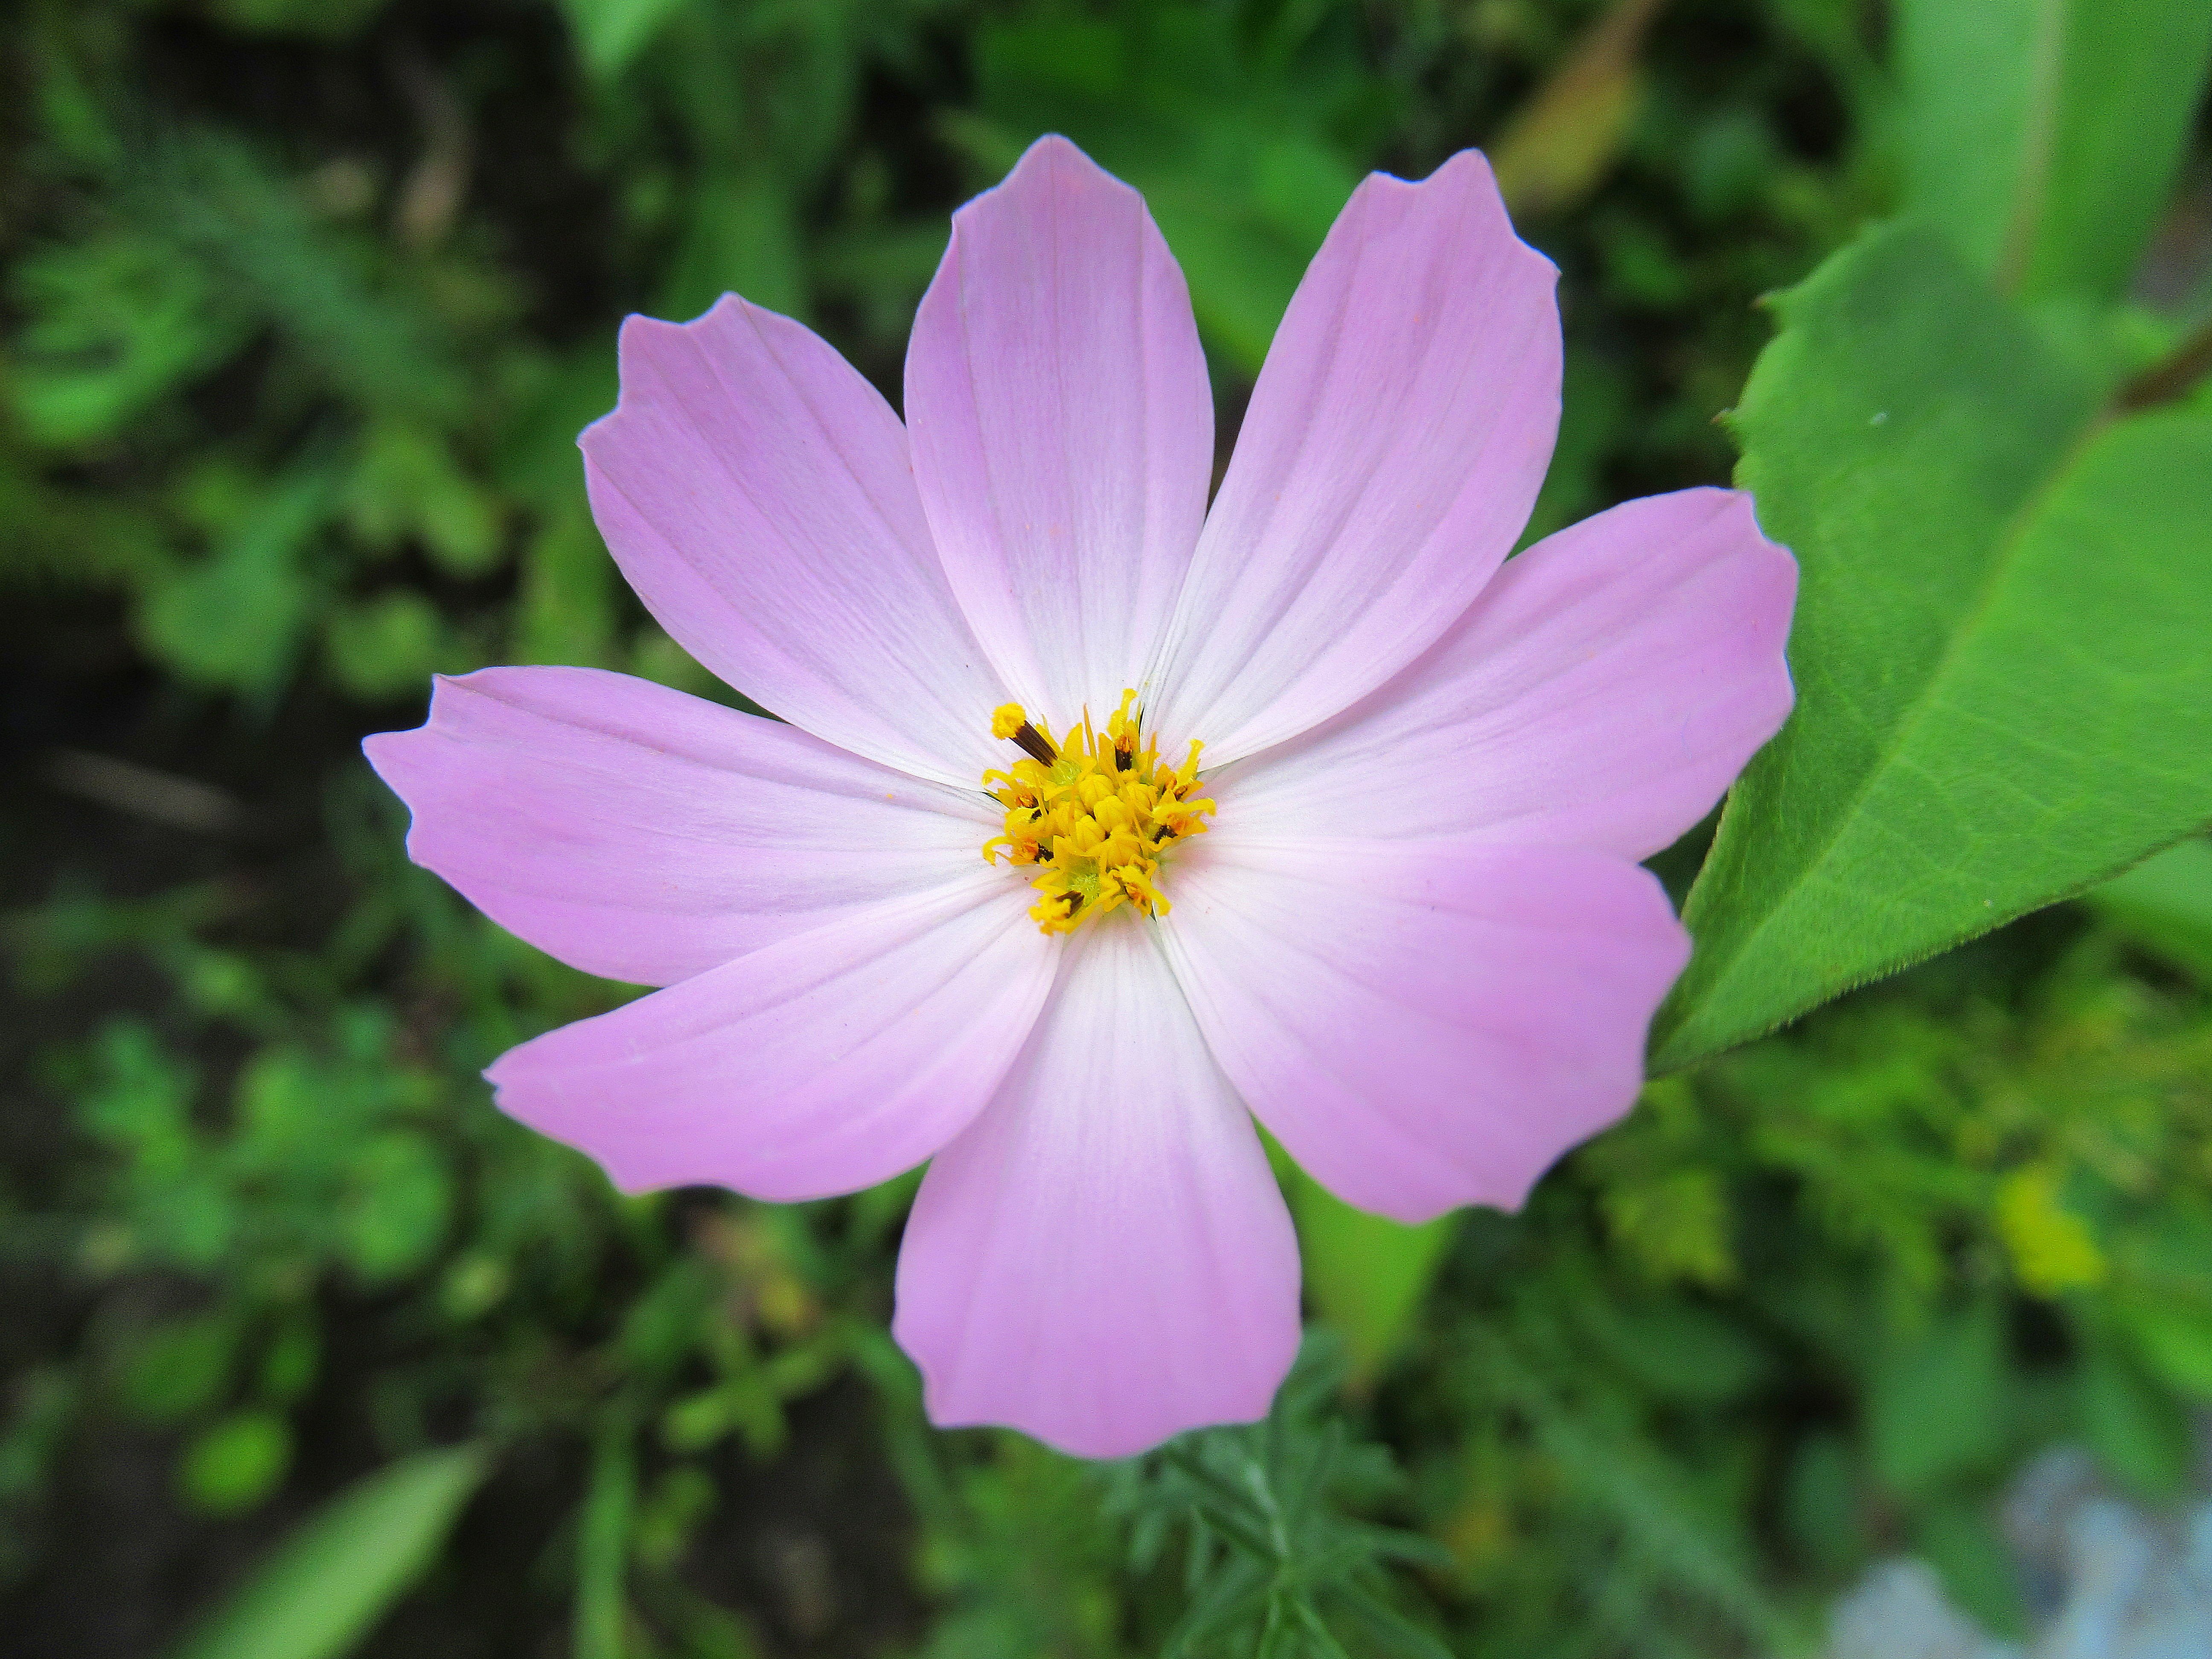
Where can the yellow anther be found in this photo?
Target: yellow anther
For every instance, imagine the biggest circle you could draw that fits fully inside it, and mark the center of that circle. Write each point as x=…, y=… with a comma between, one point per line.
x=1095, y=810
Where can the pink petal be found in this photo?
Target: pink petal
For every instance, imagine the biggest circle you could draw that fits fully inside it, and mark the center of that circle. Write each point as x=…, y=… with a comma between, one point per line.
x=757, y=494
x=1423, y=1024
x=1102, y=1260
x=820, y=1064
x=1602, y=692
x=643, y=835
x=1063, y=428
x=1391, y=451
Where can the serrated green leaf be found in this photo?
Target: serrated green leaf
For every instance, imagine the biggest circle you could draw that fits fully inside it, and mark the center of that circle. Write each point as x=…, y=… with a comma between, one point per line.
x=2001, y=645
x=319, y=1591
x=2043, y=136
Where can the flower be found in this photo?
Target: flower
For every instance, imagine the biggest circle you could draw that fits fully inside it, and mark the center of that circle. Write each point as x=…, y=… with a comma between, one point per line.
x=1098, y=821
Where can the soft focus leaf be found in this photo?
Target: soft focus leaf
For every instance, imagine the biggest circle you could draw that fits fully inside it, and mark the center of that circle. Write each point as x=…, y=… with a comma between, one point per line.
x=602, y=1546
x=322, y=1589
x=290, y=1363
x=395, y=1214
x=181, y=1368
x=234, y=1463
x=610, y=33
x=1365, y=1274
x=1820, y=1504
x=2165, y=905
x=1941, y=1404
x=1999, y=644
x=2176, y=1344
x=742, y=240
x=1649, y=1496
x=385, y=647
x=1676, y=1351
x=567, y=610
x=2053, y=1250
x=407, y=483
x=113, y=325
x=235, y=619
x=1961, y=1542
x=2139, y=1433
x=2043, y=136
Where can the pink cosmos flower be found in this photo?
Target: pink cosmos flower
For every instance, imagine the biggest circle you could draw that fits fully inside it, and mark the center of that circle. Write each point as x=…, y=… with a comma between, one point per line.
x=980, y=902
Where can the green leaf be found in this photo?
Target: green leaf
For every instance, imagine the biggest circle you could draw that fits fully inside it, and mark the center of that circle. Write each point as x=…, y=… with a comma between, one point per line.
x=2139, y=1432
x=394, y=1214
x=235, y=1463
x=602, y=1546
x=1674, y=1350
x=1961, y=1542
x=293, y=1358
x=741, y=238
x=1367, y=1274
x=235, y=619
x=1939, y=1406
x=179, y=1368
x=406, y=483
x=1594, y=409
x=2043, y=136
x=114, y=327
x=610, y=33
x=1821, y=1504
x=386, y=645
x=2175, y=1342
x=1241, y=272
x=1999, y=645
x=1560, y=144
x=321, y=1589
x=2165, y=905
x=567, y=613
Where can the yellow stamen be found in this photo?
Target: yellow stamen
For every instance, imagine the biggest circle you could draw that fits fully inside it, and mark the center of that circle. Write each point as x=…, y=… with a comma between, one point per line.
x=1095, y=812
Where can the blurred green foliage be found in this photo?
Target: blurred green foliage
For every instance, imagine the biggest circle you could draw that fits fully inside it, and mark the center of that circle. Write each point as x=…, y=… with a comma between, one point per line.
x=304, y=305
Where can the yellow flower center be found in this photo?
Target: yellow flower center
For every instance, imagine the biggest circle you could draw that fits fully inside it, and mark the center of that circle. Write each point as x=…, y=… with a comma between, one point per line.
x=1095, y=810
